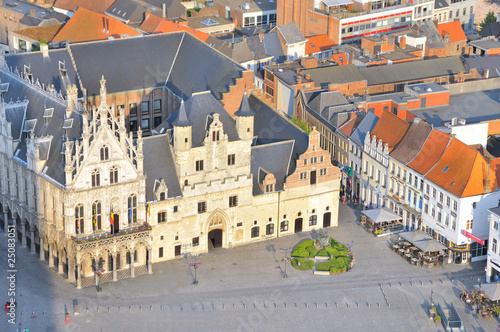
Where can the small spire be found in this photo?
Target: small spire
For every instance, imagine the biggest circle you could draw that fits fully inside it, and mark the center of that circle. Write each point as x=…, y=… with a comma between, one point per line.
x=244, y=109
x=182, y=118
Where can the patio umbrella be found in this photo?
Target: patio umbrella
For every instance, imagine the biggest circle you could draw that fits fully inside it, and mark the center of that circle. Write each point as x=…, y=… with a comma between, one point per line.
x=414, y=236
x=429, y=245
x=381, y=215
x=491, y=291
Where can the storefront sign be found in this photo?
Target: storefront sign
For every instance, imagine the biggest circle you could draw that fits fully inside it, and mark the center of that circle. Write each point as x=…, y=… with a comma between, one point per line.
x=473, y=237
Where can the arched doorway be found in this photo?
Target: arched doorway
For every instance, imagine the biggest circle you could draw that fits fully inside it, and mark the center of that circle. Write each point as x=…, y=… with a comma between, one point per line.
x=215, y=239
x=327, y=219
x=298, y=225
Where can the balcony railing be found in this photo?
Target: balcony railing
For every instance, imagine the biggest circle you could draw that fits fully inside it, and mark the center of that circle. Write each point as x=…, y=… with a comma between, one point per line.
x=97, y=240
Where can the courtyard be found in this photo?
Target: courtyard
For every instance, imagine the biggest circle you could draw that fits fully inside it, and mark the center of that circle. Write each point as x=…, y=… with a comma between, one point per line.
x=242, y=289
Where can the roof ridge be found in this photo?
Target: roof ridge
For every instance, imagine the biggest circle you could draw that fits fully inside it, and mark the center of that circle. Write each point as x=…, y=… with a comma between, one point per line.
x=273, y=143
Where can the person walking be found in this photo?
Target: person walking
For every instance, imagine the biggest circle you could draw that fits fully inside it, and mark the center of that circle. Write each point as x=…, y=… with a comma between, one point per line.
x=67, y=318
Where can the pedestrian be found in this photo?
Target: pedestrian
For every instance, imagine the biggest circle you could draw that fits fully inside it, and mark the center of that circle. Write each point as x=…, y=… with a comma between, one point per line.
x=67, y=318
x=7, y=307
x=343, y=200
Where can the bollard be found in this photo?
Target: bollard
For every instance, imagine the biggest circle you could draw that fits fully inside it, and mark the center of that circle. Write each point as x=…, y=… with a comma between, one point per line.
x=378, y=304
x=118, y=308
x=140, y=308
x=336, y=304
x=150, y=308
x=368, y=304
x=86, y=309
x=97, y=309
x=129, y=308
x=109, y=309
x=285, y=304
x=161, y=308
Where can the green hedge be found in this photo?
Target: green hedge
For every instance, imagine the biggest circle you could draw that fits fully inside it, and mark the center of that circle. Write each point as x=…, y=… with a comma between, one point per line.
x=323, y=252
x=301, y=249
x=338, y=264
x=312, y=251
x=305, y=264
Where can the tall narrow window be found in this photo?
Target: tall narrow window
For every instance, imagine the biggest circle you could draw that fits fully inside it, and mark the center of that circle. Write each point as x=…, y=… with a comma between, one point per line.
x=96, y=216
x=269, y=229
x=104, y=153
x=132, y=209
x=113, y=175
x=255, y=231
x=96, y=178
x=79, y=219
x=199, y=165
x=231, y=159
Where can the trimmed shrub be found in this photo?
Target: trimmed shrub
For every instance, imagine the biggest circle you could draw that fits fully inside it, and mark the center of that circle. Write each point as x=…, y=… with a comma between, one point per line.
x=300, y=252
x=305, y=264
x=343, y=261
x=323, y=252
x=326, y=266
x=312, y=251
x=339, y=246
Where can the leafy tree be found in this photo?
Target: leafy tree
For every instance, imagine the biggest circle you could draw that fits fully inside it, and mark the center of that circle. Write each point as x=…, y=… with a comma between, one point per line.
x=490, y=18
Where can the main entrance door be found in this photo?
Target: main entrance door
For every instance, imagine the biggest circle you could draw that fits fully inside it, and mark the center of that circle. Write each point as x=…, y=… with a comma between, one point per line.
x=215, y=239
x=298, y=225
x=326, y=219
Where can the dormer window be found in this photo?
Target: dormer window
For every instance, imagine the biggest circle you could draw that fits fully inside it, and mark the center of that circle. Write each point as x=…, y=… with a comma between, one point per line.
x=269, y=188
x=104, y=153
x=215, y=135
x=47, y=115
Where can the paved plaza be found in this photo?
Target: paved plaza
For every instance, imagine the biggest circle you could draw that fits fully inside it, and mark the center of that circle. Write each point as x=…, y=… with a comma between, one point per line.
x=242, y=289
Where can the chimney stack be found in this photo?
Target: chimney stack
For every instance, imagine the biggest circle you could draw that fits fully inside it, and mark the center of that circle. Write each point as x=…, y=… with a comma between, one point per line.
x=486, y=73
x=45, y=50
x=32, y=12
x=402, y=42
x=164, y=10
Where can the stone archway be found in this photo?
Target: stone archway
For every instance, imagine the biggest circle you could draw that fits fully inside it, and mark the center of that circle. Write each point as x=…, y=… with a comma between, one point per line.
x=216, y=229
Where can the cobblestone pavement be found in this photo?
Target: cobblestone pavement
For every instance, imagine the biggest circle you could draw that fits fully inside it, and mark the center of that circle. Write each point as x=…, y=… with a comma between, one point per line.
x=242, y=289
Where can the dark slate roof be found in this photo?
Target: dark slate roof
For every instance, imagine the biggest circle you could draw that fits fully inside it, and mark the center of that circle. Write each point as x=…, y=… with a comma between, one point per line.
x=412, y=142
x=438, y=4
x=244, y=109
x=46, y=69
x=181, y=120
x=492, y=29
x=429, y=30
x=38, y=101
x=257, y=48
x=366, y=125
x=153, y=60
x=323, y=76
x=199, y=109
x=271, y=158
x=159, y=164
x=291, y=33
x=414, y=70
x=482, y=63
x=485, y=44
x=133, y=11
x=271, y=127
x=320, y=101
x=15, y=114
x=273, y=47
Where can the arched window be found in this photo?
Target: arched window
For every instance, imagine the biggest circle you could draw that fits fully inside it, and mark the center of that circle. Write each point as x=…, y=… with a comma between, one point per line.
x=96, y=178
x=96, y=216
x=162, y=196
x=132, y=209
x=113, y=175
x=79, y=219
x=104, y=153
x=255, y=231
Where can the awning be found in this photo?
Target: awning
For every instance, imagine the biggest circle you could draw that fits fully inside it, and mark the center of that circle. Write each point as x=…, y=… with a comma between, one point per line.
x=329, y=3
x=491, y=291
x=429, y=245
x=415, y=236
x=381, y=215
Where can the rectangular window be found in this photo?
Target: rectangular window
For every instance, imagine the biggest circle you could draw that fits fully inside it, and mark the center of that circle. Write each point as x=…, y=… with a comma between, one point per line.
x=160, y=252
x=145, y=124
x=426, y=208
x=453, y=223
x=313, y=220
x=433, y=213
x=494, y=245
x=133, y=108
x=447, y=201
x=255, y=232
x=196, y=241
x=176, y=208
x=439, y=217
x=202, y=207
x=441, y=197
x=133, y=125
x=157, y=121
x=303, y=175
x=145, y=107
x=162, y=217
x=455, y=205
x=269, y=229
x=434, y=192
x=157, y=105
x=284, y=226
x=199, y=165
x=231, y=158
x=469, y=224
x=233, y=201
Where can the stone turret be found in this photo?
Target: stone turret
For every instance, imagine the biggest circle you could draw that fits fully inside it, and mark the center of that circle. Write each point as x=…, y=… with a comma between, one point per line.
x=244, y=119
x=182, y=130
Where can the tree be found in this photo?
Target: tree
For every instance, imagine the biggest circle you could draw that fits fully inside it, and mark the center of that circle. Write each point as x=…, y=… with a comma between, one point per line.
x=490, y=18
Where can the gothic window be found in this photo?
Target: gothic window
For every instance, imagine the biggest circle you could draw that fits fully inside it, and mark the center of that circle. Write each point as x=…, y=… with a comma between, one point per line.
x=113, y=175
x=104, y=153
x=132, y=209
x=79, y=219
x=96, y=178
x=96, y=216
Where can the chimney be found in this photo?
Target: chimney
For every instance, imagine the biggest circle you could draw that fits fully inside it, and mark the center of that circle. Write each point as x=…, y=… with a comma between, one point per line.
x=45, y=50
x=299, y=79
x=402, y=42
x=164, y=10
x=235, y=20
x=309, y=62
x=486, y=73
x=308, y=77
x=261, y=35
x=32, y=12
x=487, y=177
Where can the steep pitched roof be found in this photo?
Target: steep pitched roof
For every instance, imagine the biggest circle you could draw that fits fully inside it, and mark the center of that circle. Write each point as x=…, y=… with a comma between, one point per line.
x=454, y=29
x=349, y=126
x=412, y=142
x=390, y=129
x=318, y=43
x=431, y=151
x=366, y=125
x=461, y=170
x=86, y=25
x=182, y=119
x=47, y=33
x=95, y=5
x=153, y=24
x=492, y=29
x=244, y=109
x=133, y=11
x=291, y=33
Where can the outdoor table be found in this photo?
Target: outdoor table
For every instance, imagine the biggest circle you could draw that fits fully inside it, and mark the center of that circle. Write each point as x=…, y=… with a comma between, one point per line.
x=414, y=261
x=408, y=256
x=395, y=246
x=401, y=251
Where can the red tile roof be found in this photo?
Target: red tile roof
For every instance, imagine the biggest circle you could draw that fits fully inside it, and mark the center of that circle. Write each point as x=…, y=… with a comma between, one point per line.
x=461, y=170
x=430, y=152
x=86, y=25
x=153, y=24
x=318, y=43
x=96, y=5
x=348, y=127
x=454, y=29
x=390, y=129
x=341, y=58
x=47, y=33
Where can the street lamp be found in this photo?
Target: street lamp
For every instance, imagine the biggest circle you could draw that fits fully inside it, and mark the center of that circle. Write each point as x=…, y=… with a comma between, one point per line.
x=286, y=258
x=98, y=271
x=195, y=265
